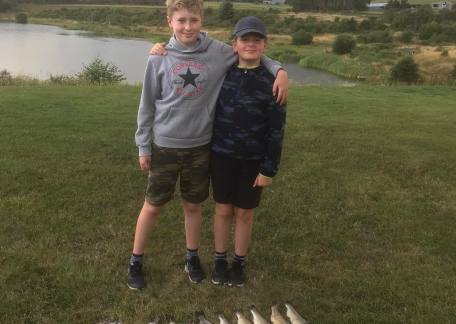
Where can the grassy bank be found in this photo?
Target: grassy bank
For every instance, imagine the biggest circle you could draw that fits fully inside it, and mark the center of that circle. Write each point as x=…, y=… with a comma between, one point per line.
x=357, y=228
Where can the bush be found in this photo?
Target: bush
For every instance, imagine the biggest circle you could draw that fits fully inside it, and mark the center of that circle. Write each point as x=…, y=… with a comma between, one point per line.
x=453, y=73
x=21, y=18
x=285, y=55
x=302, y=37
x=226, y=11
x=429, y=30
x=6, y=5
x=406, y=70
x=5, y=77
x=343, y=44
x=377, y=36
x=98, y=72
x=406, y=37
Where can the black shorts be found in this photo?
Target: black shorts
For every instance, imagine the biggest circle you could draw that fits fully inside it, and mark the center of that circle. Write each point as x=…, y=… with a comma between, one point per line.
x=232, y=181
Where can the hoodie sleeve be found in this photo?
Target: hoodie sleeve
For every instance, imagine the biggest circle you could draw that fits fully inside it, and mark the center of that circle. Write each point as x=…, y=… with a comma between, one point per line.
x=276, y=118
x=229, y=58
x=151, y=91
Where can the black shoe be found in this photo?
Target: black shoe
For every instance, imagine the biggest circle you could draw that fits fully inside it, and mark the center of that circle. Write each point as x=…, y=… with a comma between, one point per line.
x=237, y=277
x=194, y=270
x=220, y=272
x=135, y=276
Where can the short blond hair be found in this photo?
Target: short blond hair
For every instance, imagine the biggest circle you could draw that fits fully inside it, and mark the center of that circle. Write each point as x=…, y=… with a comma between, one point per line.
x=192, y=5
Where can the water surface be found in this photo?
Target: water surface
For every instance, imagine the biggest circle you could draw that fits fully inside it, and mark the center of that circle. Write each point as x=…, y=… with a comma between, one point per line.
x=39, y=51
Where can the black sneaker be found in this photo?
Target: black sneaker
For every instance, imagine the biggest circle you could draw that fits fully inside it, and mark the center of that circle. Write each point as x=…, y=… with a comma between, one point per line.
x=194, y=269
x=220, y=272
x=135, y=276
x=237, y=277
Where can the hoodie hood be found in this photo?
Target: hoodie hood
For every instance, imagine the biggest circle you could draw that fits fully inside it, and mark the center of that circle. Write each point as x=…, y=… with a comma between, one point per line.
x=201, y=45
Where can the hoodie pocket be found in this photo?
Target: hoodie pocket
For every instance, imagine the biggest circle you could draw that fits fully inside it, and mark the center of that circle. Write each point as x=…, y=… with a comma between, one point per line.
x=188, y=122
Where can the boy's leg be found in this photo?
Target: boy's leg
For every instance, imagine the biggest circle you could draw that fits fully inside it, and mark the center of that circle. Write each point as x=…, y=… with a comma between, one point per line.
x=194, y=185
x=193, y=221
x=223, y=217
x=146, y=222
x=160, y=189
x=242, y=238
x=243, y=230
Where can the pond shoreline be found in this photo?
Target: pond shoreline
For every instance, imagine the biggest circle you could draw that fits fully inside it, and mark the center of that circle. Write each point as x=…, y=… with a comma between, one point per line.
x=48, y=40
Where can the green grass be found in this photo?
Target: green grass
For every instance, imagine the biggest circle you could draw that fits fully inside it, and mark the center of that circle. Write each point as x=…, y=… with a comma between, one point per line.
x=357, y=228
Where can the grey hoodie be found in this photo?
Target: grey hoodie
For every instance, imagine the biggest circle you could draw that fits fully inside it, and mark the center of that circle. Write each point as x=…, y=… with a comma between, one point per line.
x=180, y=91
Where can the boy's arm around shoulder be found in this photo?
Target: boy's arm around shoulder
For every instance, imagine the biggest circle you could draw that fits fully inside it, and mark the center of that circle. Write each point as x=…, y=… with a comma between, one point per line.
x=151, y=91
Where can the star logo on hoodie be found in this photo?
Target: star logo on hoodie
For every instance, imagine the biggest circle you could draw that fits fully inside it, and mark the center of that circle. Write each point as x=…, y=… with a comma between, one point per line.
x=189, y=78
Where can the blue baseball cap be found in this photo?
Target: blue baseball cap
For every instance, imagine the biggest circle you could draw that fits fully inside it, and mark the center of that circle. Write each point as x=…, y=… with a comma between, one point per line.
x=249, y=24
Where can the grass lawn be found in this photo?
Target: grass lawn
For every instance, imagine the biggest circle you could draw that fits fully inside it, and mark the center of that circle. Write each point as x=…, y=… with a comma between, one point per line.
x=357, y=228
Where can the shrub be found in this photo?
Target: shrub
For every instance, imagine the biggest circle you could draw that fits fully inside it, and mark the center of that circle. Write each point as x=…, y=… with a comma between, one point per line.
x=343, y=44
x=302, y=37
x=21, y=18
x=285, y=55
x=98, y=72
x=406, y=36
x=5, y=77
x=429, y=30
x=6, y=5
x=226, y=11
x=453, y=73
x=406, y=70
x=377, y=36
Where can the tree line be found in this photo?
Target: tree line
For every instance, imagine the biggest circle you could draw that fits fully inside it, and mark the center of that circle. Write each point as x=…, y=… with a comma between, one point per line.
x=302, y=5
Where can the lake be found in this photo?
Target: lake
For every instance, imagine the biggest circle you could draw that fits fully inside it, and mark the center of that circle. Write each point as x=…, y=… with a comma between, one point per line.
x=39, y=51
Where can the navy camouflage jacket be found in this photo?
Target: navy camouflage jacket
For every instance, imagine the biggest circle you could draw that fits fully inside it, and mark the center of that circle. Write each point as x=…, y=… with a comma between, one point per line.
x=249, y=124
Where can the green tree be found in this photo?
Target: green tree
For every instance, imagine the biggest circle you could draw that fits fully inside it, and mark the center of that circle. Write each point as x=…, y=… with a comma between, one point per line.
x=344, y=44
x=406, y=70
x=302, y=5
x=6, y=5
x=21, y=18
x=226, y=11
x=302, y=37
x=453, y=73
x=98, y=72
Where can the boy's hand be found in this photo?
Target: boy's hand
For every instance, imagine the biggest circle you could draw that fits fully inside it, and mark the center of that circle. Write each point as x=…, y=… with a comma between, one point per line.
x=280, y=87
x=158, y=49
x=144, y=162
x=262, y=181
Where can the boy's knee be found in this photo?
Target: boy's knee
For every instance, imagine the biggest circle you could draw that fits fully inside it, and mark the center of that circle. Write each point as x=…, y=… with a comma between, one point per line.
x=244, y=215
x=191, y=208
x=224, y=211
x=150, y=209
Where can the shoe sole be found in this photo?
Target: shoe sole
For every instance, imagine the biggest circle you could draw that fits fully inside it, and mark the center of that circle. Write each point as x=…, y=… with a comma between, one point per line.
x=189, y=278
x=237, y=285
x=218, y=283
x=134, y=288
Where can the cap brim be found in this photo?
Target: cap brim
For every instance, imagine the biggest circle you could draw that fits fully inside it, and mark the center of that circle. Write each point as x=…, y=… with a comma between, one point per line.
x=249, y=31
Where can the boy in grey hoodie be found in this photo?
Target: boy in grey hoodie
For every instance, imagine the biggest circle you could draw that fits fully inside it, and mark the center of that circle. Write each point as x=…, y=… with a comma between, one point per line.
x=175, y=119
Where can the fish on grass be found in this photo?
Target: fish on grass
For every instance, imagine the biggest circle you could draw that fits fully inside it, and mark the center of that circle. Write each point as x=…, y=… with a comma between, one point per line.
x=202, y=319
x=257, y=318
x=222, y=319
x=294, y=316
x=276, y=317
x=241, y=319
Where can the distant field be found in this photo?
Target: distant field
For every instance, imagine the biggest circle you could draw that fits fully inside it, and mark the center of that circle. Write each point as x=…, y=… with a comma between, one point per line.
x=358, y=226
x=411, y=1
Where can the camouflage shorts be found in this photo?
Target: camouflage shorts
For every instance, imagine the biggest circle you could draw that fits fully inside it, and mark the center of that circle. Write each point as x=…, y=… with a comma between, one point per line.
x=190, y=165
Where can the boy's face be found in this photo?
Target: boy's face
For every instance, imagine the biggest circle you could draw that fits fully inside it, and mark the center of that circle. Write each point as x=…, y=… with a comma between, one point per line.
x=186, y=26
x=249, y=47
